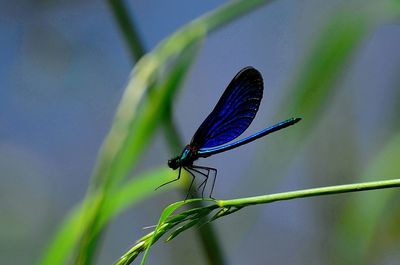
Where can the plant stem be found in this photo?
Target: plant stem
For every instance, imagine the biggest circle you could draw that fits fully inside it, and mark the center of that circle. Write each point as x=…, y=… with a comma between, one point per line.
x=374, y=185
x=128, y=29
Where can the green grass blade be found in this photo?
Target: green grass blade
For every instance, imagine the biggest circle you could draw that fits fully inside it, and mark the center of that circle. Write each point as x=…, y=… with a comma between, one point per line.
x=134, y=191
x=128, y=28
x=129, y=135
x=64, y=240
x=326, y=61
x=145, y=74
x=324, y=64
x=165, y=223
x=362, y=215
x=164, y=216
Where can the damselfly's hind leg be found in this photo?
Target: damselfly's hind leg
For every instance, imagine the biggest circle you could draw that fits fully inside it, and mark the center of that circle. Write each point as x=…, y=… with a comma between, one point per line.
x=191, y=183
x=208, y=169
x=204, y=181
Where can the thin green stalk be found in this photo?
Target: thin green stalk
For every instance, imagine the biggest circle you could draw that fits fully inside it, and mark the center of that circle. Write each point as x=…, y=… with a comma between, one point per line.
x=374, y=185
x=175, y=143
x=128, y=28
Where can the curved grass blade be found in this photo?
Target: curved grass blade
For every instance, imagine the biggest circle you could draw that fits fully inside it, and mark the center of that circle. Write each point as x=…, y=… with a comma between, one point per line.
x=196, y=219
x=325, y=63
x=164, y=215
x=134, y=191
x=335, y=46
x=124, y=144
x=165, y=223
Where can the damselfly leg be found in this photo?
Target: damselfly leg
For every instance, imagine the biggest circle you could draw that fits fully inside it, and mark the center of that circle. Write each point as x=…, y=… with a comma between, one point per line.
x=179, y=176
x=208, y=169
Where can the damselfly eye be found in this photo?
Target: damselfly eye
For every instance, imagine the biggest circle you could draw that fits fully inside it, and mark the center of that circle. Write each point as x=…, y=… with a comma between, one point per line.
x=173, y=163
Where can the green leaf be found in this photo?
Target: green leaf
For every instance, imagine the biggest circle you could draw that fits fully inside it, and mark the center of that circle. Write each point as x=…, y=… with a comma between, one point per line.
x=181, y=229
x=131, y=131
x=164, y=216
x=130, y=194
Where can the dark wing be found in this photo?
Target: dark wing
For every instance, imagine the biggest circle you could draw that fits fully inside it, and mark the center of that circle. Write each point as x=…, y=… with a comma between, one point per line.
x=234, y=111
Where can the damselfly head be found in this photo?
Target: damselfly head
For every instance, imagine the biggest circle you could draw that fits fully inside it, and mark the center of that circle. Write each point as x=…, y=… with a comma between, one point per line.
x=174, y=163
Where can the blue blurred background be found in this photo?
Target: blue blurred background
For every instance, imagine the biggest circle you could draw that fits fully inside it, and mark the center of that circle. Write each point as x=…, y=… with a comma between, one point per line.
x=63, y=69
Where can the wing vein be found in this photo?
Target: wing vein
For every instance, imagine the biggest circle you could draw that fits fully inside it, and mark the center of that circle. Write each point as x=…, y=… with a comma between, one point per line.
x=234, y=111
